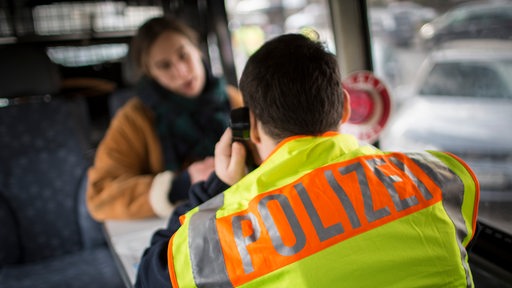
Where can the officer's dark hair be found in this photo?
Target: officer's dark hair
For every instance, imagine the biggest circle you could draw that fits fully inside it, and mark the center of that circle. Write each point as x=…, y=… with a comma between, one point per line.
x=293, y=86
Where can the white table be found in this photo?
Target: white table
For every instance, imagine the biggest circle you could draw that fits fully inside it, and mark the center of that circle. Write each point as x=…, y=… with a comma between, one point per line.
x=129, y=239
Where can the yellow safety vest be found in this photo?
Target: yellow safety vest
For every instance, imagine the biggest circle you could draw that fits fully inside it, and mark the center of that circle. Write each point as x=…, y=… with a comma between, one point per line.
x=324, y=212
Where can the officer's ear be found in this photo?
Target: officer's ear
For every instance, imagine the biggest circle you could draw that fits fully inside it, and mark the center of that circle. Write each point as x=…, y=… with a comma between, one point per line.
x=254, y=134
x=346, y=107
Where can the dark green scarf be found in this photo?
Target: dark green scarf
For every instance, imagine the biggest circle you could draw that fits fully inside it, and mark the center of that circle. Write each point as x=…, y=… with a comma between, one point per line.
x=188, y=128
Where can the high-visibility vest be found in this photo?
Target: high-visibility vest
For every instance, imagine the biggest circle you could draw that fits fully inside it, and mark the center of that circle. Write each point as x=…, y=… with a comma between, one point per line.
x=324, y=212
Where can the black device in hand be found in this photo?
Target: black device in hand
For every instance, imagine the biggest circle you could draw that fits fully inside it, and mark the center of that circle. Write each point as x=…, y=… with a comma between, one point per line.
x=241, y=127
x=240, y=124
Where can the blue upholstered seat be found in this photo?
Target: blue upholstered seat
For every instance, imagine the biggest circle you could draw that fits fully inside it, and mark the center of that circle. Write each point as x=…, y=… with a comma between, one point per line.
x=47, y=237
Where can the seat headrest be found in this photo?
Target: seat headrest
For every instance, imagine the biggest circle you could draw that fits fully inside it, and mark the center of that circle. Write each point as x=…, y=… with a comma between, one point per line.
x=130, y=72
x=27, y=71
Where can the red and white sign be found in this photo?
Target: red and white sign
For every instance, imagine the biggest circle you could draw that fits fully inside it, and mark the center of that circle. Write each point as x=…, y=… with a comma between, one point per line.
x=370, y=105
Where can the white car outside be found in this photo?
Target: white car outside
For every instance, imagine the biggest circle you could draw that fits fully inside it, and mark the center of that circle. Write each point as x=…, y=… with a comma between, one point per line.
x=461, y=102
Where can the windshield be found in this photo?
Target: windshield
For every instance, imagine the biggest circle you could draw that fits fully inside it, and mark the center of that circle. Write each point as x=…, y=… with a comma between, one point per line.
x=470, y=79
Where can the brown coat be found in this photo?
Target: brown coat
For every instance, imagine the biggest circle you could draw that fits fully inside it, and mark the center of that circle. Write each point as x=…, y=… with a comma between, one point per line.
x=127, y=160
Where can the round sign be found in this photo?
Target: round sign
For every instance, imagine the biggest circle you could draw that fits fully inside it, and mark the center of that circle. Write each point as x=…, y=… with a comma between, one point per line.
x=370, y=106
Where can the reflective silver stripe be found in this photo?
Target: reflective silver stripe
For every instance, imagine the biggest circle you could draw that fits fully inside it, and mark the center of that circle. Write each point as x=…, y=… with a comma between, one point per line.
x=452, y=188
x=345, y=201
x=423, y=189
x=388, y=182
x=242, y=242
x=206, y=255
x=300, y=237
x=323, y=232
x=369, y=208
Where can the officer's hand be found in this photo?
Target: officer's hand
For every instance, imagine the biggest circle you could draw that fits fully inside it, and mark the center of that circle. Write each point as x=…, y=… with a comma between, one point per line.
x=200, y=170
x=229, y=159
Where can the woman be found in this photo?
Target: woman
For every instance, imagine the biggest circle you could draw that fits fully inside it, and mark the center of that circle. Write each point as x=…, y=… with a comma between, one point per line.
x=160, y=142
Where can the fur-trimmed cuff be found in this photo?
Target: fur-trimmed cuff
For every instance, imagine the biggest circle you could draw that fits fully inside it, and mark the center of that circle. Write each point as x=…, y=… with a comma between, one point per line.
x=158, y=194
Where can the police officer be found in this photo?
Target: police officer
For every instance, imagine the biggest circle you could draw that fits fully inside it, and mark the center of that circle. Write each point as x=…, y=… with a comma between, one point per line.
x=320, y=211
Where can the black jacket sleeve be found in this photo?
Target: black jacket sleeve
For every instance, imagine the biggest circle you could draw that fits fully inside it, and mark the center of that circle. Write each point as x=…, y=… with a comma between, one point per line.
x=153, y=270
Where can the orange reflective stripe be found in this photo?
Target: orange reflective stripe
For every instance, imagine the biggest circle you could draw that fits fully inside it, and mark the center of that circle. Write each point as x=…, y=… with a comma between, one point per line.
x=321, y=209
x=170, y=261
x=182, y=218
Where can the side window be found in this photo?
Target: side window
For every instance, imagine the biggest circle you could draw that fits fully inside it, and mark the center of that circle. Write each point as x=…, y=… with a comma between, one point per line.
x=253, y=22
x=452, y=89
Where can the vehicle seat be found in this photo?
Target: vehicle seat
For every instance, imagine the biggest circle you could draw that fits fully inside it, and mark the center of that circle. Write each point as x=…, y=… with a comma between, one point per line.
x=47, y=237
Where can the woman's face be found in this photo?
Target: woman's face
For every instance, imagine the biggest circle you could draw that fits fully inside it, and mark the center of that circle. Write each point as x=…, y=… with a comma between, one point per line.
x=176, y=64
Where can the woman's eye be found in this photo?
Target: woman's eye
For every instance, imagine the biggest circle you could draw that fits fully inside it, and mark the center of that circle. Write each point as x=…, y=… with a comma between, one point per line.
x=183, y=55
x=164, y=66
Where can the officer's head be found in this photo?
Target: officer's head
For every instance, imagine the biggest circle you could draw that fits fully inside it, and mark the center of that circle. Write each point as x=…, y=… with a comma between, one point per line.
x=293, y=86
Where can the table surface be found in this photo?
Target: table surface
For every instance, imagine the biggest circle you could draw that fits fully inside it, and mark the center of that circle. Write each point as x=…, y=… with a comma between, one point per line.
x=129, y=239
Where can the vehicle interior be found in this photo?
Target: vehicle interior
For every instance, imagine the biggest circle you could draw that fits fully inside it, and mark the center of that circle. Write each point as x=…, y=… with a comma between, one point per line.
x=65, y=70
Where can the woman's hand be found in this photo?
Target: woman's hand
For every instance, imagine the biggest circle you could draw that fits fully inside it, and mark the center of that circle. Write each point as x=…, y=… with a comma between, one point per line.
x=229, y=159
x=201, y=170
